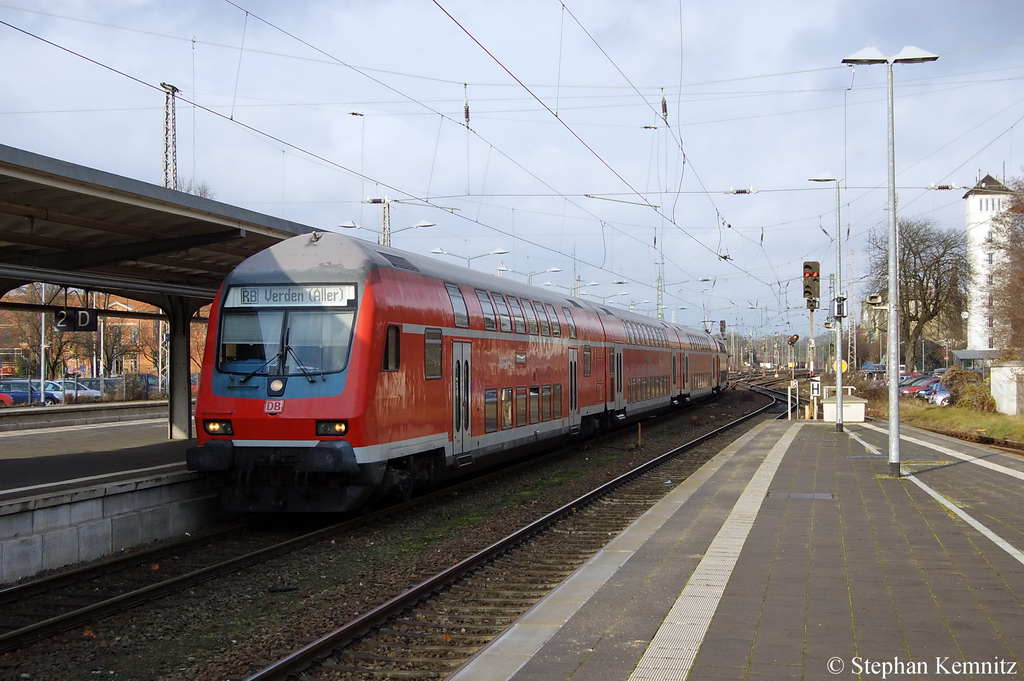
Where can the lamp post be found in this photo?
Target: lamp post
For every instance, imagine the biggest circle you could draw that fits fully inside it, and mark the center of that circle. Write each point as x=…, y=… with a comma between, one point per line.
x=469, y=258
x=385, y=237
x=605, y=299
x=529, y=275
x=838, y=311
x=908, y=55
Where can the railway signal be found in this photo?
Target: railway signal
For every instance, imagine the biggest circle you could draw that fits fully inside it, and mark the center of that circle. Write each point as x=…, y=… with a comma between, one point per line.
x=812, y=273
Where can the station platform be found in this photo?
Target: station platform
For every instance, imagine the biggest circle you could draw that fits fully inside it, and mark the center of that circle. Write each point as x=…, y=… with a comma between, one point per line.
x=55, y=459
x=794, y=554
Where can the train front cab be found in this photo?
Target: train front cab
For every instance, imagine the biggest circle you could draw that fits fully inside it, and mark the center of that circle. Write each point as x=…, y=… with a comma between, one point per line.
x=278, y=406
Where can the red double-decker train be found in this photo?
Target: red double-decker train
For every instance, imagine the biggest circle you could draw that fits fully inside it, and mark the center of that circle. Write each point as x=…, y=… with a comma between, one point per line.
x=337, y=370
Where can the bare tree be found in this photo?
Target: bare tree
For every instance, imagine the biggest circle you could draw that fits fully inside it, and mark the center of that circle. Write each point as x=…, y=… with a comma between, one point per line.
x=934, y=272
x=1007, y=289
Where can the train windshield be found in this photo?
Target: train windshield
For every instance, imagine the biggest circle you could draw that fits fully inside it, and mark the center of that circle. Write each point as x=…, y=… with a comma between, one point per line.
x=285, y=341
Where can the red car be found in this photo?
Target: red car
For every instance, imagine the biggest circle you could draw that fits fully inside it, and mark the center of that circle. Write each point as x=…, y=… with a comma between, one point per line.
x=912, y=387
x=6, y=400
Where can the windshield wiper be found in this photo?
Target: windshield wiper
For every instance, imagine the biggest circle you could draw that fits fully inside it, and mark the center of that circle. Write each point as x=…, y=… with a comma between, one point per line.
x=276, y=358
x=298, y=362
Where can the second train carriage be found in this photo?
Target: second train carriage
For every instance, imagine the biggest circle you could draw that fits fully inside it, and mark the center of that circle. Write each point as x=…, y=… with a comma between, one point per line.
x=336, y=369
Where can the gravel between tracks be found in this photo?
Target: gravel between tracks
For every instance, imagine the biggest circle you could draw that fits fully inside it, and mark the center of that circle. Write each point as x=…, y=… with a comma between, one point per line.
x=216, y=632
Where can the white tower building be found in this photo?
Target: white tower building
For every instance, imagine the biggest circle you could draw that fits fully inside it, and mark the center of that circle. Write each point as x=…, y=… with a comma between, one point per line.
x=984, y=202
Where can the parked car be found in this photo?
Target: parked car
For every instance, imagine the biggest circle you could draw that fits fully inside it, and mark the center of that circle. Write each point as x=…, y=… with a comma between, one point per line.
x=107, y=385
x=6, y=400
x=23, y=392
x=908, y=377
x=940, y=396
x=909, y=389
x=73, y=391
x=138, y=387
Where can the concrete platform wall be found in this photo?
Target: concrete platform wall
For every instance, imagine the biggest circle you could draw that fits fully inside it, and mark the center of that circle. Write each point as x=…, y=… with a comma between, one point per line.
x=59, y=529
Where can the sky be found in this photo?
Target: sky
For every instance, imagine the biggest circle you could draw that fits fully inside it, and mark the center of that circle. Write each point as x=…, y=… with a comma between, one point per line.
x=613, y=141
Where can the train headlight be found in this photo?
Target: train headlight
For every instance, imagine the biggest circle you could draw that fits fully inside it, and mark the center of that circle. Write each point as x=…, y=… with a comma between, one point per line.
x=331, y=428
x=218, y=427
x=275, y=388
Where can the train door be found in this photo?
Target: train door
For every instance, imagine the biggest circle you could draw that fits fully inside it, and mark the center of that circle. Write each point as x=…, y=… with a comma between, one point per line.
x=461, y=403
x=617, y=379
x=574, y=405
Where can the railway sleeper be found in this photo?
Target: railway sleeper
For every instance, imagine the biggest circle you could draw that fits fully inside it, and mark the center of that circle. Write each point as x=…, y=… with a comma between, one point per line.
x=521, y=571
x=460, y=627
x=353, y=669
x=403, y=660
x=457, y=619
x=528, y=591
x=459, y=600
x=461, y=638
x=475, y=614
x=447, y=647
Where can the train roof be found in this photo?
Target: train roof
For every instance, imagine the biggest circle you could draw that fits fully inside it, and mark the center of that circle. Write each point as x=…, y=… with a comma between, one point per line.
x=282, y=262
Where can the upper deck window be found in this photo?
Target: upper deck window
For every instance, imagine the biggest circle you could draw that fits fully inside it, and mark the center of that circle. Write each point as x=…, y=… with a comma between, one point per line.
x=542, y=315
x=517, y=314
x=531, y=317
x=458, y=305
x=503, y=315
x=490, y=317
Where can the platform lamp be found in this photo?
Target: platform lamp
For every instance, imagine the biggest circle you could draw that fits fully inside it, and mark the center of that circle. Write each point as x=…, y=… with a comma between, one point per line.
x=908, y=55
x=838, y=304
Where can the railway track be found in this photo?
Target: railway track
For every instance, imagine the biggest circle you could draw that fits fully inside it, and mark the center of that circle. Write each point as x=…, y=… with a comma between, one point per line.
x=42, y=608
x=434, y=627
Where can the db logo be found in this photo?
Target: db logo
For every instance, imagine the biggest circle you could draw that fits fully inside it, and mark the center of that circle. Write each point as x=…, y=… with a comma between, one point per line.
x=273, y=406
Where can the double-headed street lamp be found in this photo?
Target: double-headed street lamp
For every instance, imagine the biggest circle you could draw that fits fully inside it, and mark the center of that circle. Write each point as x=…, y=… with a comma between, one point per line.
x=469, y=258
x=605, y=299
x=838, y=311
x=908, y=55
x=385, y=236
x=529, y=275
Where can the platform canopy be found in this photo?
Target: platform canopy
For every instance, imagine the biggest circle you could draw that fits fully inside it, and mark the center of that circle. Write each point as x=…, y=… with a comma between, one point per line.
x=73, y=226
x=66, y=224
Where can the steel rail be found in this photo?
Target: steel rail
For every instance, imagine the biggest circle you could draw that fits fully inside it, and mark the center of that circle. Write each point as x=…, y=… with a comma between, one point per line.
x=302, y=658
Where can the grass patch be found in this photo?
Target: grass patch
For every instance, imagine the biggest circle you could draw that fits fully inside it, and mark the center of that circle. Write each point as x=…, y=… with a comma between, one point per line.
x=959, y=420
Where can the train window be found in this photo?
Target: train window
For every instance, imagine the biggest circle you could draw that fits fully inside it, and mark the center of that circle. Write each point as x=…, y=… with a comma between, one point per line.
x=556, y=326
x=391, y=352
x=556, y=398
x=545, y=329
x=545, y=403
x=490, y=317
x=629, y=331
x=458, y=305
x=586, y=360
x=285, y=342
x=250, y=337
x=506, y=408
x=517, y=314
x=432, y=353
x=531, y=324
x=490, y=410
x=503, y=316
x=569, y=322
x=534, y=404
x=521, y=406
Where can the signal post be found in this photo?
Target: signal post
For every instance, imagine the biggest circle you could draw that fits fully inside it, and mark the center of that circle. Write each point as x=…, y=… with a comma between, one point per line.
x=812, y=291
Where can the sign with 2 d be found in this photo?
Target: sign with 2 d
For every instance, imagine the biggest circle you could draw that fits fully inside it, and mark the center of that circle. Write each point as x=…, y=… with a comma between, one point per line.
x=71, y=319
